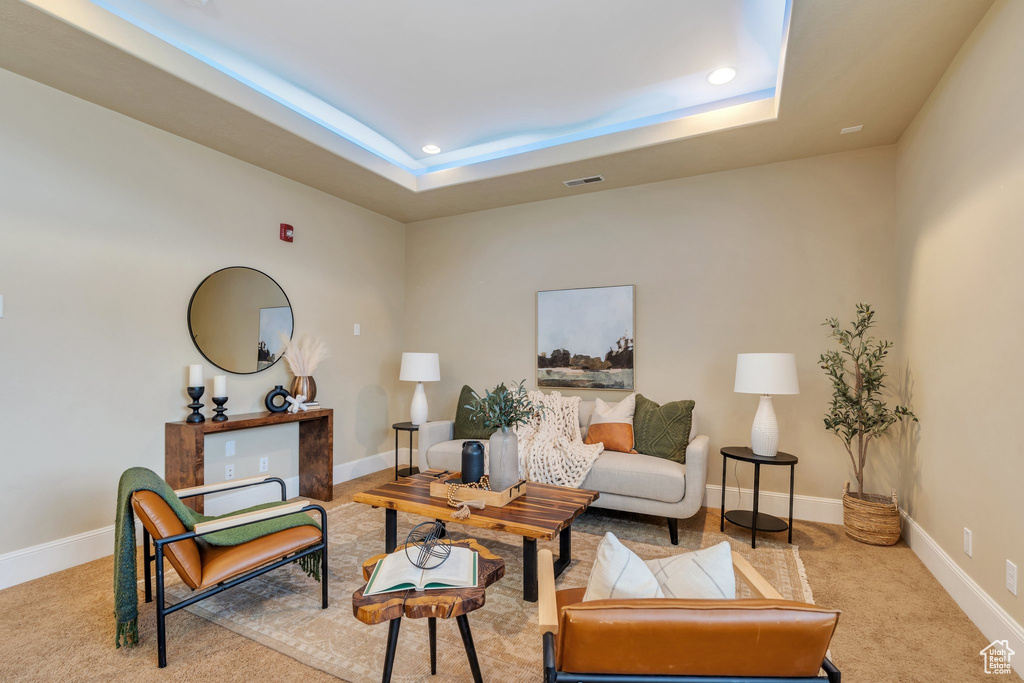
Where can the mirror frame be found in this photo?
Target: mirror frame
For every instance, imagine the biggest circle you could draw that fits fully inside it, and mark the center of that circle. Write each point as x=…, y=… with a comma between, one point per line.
x=192, y=334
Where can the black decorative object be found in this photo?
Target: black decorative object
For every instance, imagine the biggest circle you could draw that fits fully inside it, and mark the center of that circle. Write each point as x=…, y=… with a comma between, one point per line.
x=472, y=462
x=279, y=392
x=427, y=546
x=195, y=393
x=220, y=409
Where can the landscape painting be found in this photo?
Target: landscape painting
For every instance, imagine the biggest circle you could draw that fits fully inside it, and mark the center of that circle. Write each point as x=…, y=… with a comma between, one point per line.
x=585, y=338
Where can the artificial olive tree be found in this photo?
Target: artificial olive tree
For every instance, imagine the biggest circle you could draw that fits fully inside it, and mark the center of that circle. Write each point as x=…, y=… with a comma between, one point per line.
x=858, y=412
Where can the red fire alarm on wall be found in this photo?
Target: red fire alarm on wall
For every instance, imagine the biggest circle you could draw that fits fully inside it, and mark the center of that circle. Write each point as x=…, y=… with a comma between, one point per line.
x=287, y=232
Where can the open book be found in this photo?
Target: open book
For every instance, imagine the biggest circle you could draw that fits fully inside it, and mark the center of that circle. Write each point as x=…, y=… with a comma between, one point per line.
x=396, y=573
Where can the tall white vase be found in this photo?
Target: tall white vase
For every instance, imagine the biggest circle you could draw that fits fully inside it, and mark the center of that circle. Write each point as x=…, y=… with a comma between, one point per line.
x=503, y=459
x=764, y=434
x=418, y=410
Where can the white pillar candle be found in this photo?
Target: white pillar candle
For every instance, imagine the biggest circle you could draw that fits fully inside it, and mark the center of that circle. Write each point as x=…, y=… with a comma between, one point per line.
x=220, y=386
x=195, y=375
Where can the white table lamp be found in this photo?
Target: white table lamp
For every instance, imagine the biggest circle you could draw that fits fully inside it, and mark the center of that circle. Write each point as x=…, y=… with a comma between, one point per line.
x=419, y=368
x=765, y=374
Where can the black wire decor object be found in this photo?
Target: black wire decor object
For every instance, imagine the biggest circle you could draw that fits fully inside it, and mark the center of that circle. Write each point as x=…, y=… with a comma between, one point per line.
x=427, y=546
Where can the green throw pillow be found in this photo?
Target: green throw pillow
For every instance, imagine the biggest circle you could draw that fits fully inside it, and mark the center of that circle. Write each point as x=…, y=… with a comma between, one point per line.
x=465, y=426
x=662, y=431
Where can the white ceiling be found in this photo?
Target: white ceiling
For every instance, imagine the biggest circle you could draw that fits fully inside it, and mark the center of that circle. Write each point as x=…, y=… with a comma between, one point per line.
x=846, y=63
x=482, y=80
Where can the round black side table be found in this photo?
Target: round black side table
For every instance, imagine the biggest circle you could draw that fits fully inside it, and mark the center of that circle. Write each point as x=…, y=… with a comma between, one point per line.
x=405, y=427
x=745, y=518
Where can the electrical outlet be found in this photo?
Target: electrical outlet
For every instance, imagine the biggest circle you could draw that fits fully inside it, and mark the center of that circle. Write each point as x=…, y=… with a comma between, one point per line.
x=1011, y=577
x=229, y=448
x=264, y=464
x=229, y=472
x=967, y=541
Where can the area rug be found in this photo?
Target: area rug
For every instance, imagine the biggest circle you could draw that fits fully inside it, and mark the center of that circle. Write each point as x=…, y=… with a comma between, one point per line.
x=281, y=609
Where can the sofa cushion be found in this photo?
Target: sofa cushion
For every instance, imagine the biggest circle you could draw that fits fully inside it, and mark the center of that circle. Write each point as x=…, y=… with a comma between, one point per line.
x=619, y=574
x=612, y=424
x=663, y=430
x=447, y=455
x=636, y=475
x=705, y=574
x=466, y=427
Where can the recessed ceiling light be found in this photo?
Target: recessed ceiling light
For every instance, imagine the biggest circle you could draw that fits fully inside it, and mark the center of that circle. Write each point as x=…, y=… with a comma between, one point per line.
x=431, y=149
x=851, y=129
x=197, y=3
x=722, y=75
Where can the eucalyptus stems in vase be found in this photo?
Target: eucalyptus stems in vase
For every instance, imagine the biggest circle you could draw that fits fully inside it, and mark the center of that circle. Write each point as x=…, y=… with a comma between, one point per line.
x=503, y=409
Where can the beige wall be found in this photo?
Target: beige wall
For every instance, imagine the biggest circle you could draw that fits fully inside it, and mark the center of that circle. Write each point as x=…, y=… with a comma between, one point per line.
x=961, y=292
x=746, y=260
x=106, y=227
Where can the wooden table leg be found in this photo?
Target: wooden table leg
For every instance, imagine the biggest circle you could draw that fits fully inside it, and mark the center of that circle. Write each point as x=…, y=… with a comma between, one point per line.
x=316, y=458
x=467, y=640
x=530, y=569
x=432, y=627
x=389, y=657
x=792, y=472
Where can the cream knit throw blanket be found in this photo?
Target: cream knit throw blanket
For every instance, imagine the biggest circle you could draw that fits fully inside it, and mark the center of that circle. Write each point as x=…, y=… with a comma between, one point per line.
x=551, y=450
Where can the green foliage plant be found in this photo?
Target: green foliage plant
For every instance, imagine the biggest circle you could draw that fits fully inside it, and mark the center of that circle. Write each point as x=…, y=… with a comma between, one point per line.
x=857, y=413
x=503, y=407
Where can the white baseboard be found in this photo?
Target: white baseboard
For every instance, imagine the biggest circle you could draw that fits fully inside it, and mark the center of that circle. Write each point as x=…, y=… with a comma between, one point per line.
x=806, y=508
x=30, y=563
x=992, y=620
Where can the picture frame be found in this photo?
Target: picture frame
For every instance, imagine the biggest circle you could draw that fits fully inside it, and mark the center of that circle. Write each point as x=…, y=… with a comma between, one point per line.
x=585, y=338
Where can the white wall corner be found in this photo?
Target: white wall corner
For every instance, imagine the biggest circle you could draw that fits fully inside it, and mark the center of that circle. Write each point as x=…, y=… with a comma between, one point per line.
x=805, y=508
x=23, y=565
x=993, y=621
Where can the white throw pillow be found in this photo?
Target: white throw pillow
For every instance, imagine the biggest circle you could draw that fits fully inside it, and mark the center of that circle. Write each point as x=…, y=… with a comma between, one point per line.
x=699, y=574
x=612, y=425
x=614, y=412
x=620, y=574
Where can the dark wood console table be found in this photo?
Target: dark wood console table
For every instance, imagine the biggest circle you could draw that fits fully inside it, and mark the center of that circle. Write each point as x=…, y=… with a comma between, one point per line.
x=184, y=450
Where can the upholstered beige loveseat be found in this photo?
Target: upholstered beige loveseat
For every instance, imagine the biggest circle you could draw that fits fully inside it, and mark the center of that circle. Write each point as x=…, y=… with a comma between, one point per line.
x=627, y=481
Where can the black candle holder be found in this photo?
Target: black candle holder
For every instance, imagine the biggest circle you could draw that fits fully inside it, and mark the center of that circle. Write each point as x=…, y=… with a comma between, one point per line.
x=220, y=409
x=195, y=393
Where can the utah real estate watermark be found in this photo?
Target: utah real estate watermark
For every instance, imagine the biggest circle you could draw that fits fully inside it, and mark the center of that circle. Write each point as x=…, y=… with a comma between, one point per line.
x=997, y=657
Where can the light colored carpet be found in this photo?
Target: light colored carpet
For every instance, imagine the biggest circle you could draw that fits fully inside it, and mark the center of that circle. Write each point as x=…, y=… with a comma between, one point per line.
x=898, y=624
x=281, y=609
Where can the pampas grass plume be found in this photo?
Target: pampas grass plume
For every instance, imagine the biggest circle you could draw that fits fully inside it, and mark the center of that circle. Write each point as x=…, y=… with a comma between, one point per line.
x=304, y=354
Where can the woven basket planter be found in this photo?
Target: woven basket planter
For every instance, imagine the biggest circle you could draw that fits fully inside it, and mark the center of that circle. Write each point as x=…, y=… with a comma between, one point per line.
x=874, y=520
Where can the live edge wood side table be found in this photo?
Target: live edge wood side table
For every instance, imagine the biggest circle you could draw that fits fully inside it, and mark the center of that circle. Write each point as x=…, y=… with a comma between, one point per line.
x=184, y=450
x=432, y=605
x=757, y=520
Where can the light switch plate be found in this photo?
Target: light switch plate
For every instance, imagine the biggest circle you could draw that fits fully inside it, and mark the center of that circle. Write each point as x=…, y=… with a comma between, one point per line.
x=229, y=449
x=355, y=329
x=2, y=307
x=968, y=542
x=264, y=464
x=1011, y=577
x=229, y=472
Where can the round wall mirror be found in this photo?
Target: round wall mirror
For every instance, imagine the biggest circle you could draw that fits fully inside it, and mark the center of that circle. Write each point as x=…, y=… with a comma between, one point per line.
x=238, y=318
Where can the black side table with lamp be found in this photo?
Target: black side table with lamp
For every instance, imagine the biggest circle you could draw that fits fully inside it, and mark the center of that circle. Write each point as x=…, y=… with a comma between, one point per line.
x=745, y=518
x=405, y=427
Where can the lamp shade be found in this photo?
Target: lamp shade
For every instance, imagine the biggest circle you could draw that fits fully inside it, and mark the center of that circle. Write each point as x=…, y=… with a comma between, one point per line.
x=766, y=373
x=420, y=367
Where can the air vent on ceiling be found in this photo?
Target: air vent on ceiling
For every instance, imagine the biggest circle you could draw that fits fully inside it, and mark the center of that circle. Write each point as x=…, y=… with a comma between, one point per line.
x=584, y=181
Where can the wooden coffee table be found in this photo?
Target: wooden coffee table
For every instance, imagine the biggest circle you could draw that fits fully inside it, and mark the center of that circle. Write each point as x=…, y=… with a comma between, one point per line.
x=542, y=512
x=444, y=604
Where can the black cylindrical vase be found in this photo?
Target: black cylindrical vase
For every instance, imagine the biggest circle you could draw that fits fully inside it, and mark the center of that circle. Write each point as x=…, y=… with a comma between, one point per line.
x=472, y=462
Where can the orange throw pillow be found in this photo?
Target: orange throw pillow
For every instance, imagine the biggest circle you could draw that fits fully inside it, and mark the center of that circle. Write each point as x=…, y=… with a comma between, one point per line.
x=612, y=425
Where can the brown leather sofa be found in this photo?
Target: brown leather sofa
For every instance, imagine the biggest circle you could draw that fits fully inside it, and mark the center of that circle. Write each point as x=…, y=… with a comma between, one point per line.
x=668, y=640
x=213, y=569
